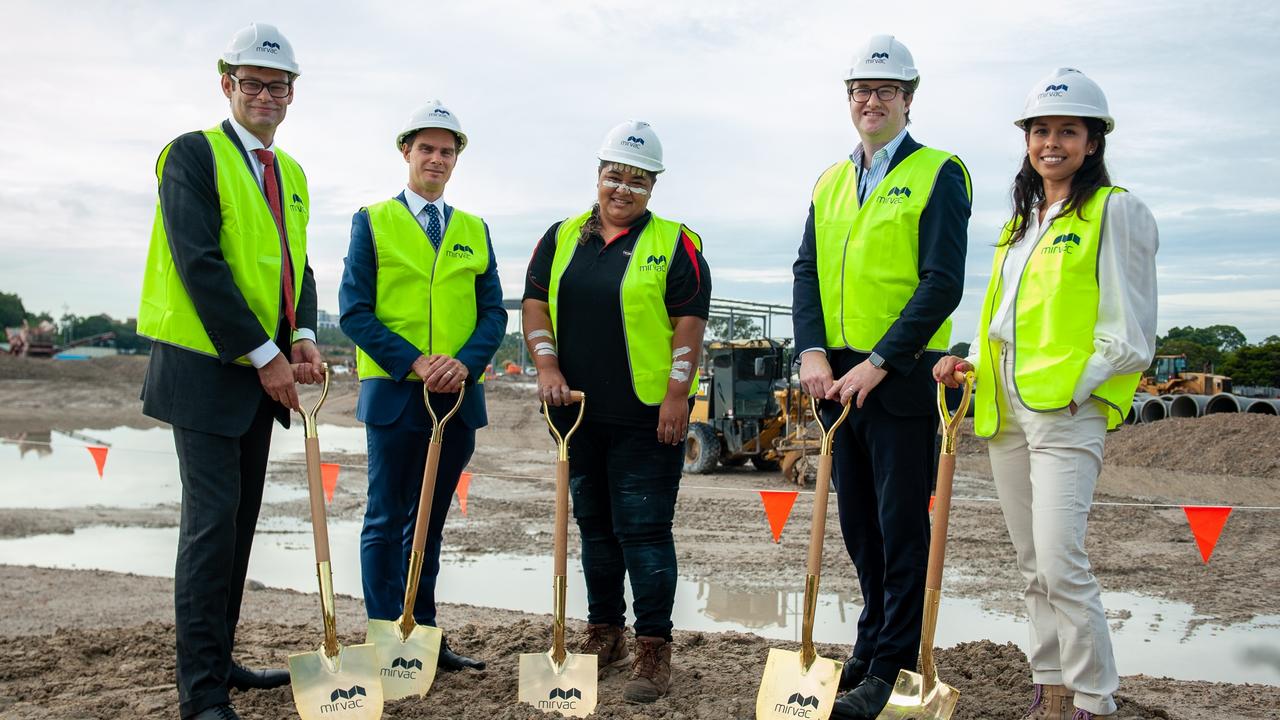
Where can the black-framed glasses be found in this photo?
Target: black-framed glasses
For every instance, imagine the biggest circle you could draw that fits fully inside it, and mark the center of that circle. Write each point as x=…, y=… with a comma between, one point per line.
x=252, y=87
x=885, y=93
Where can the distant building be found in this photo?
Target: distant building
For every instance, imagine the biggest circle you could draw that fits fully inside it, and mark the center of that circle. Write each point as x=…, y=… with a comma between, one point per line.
x=326, y=320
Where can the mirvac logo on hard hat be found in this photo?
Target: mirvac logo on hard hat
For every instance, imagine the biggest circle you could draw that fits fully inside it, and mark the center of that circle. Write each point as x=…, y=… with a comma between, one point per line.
x=1061, y=245
x=561, y=699
x=268, y=47
x=895, y=196
x=441, y=111
x=341, y=700
x=401, y=668
x=633, y=142
x=878, y=58
x=1053, y=91
x=655, y=263
x=798, y=705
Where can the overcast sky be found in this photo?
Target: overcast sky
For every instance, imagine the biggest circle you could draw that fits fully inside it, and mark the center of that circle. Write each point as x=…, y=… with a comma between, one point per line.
x=746, y=96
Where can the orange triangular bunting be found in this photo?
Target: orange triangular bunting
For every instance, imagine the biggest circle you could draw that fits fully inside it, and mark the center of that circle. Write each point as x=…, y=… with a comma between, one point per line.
x=932, y=500
x=329, y=479
x=1206, y=525
x=777, y=507
x=99, y=454
x=464, y=486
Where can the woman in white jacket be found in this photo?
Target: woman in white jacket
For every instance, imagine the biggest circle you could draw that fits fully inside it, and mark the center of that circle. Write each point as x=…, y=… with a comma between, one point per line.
x=1067, y=327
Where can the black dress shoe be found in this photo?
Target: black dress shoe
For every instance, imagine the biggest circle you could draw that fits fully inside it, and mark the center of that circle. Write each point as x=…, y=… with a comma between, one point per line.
x=217, y=712
x=242, y=678
x=865, y=702
x=451, y=661
x=852, y=673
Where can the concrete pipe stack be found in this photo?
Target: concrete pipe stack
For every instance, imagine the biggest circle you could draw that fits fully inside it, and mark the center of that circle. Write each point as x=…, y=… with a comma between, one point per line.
x=1152, y=410
x=1223, y=403
x=1188, y=406
x=1261, y=406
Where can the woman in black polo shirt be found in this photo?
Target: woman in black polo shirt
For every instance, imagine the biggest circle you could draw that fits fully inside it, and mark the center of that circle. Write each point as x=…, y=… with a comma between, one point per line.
x=615, y=305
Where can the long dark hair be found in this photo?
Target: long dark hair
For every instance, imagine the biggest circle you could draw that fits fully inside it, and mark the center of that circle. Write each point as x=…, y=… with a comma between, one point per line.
x=1028, y=186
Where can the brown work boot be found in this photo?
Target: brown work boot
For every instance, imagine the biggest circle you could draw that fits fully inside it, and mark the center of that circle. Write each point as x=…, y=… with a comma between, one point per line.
x=1051, y=702
x=650, y=671
x=607, y=642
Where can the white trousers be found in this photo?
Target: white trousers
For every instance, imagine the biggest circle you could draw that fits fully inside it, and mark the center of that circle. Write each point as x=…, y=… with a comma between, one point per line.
x=1046, y=466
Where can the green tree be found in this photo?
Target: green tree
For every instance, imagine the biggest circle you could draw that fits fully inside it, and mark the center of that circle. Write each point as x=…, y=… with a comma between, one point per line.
x=960, y=349
x=92, y=325
x=1223, y=338
x=744, y=328
x=508, y=351
x=12, y=313
x=1255, y=364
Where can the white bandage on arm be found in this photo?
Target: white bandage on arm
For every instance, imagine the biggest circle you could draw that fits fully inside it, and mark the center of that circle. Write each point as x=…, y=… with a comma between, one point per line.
x=534, y=335
x=545, y=348
x=680, y=370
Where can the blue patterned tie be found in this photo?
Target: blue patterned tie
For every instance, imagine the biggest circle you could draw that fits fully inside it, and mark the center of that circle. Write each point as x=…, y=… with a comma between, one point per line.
x=433, y=225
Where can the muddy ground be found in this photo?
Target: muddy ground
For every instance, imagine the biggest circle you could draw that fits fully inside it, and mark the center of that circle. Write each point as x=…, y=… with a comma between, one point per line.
x=721, y=534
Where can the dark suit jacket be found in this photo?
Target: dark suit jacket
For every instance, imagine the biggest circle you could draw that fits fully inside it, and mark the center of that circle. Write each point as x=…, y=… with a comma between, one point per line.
x=908, y=389
x=383, y=400
x=185, y=388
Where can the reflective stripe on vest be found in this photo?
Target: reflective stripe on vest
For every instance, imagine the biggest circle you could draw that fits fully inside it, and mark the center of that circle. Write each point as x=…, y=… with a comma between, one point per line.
x=868, y=257
x=642, y=295
x=248, y=240
x=425, y=297
x=1054, y=313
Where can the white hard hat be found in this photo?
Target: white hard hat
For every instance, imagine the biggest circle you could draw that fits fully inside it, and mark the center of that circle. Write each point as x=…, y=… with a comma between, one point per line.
x=633, y=143
x=882, y=58
x=1066, y=91
x=259, y=45
x=432, y=115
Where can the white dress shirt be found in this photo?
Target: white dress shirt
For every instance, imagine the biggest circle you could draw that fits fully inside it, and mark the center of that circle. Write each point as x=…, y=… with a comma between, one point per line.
x=267, y=351
x=416, y=203
x=1124, y=336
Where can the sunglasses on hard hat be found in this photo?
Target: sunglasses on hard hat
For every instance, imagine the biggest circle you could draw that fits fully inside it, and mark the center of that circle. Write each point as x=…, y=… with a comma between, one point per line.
x=253, y=88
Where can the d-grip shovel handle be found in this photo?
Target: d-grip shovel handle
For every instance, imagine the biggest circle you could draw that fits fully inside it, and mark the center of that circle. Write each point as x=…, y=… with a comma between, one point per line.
x=817, y=531
x=319, y=522
x=946, y=473
x=560, y=545
x=424, y=506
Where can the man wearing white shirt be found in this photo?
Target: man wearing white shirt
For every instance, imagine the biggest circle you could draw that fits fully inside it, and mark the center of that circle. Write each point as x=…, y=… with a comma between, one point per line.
x=229, y=300
x=421, y=299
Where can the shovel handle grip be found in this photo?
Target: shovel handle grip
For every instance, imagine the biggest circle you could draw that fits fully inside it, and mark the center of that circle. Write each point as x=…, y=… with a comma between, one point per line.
x=941, y=517
x=561, y=532
x=315, y=489
x=426, y=497
x=818, y=525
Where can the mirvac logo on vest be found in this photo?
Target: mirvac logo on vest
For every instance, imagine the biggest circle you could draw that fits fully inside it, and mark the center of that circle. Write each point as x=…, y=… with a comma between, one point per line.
x=1061, y=245
x=895, y=196
x=460, y=251
x=404, y=669
x=654, y=263
x=798, y=706
x=1053, y=91
x=296, y=204
x=340, y=700
x=560, y=699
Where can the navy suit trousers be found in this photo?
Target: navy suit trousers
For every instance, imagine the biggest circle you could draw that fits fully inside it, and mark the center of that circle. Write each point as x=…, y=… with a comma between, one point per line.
x=397, y=458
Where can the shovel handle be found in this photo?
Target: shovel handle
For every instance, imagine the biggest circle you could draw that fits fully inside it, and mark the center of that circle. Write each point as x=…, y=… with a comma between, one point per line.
x=946, y=474
x=320, y=524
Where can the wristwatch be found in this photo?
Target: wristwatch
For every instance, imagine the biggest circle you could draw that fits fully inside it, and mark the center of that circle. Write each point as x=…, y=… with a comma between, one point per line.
x=875, y=360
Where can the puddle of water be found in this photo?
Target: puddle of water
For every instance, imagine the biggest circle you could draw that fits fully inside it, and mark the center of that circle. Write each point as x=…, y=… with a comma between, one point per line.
x=141, y=468
x=1160, y=638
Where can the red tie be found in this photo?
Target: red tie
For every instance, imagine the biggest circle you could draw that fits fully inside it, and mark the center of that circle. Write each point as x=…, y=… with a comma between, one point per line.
x=269, y=183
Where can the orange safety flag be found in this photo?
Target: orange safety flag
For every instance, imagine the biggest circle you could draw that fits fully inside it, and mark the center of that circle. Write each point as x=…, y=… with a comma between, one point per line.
x=329, y=479
x=932, y=499
x=1206, y=525
x=99, y=454
x=464, y=485
x=777, y=507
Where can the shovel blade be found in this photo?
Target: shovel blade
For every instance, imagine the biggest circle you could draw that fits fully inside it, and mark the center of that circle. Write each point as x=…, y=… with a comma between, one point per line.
x=569, y=689
x=788, y=691
x=407, y=666
x=345, y=688
x=911, y=701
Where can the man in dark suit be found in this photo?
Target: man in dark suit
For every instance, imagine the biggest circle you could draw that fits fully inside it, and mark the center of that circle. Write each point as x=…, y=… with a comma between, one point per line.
x=420, y=296
x=229, y=300
x=880, y=270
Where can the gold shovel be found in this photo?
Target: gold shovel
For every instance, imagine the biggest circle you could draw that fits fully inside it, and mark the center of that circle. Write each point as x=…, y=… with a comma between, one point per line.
x=921, y=696
x=408, y=653
x=332, y=682
x=801, y=684
x=558, y=681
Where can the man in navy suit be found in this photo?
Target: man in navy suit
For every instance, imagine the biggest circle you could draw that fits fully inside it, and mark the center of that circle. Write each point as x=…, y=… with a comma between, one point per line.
x=420, y=297
x=879, y=272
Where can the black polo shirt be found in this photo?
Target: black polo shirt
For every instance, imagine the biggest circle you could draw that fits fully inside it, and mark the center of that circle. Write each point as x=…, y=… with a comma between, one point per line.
x=589, y=334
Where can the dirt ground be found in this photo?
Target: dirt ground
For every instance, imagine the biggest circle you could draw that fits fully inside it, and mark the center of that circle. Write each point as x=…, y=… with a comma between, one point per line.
x=122, y=624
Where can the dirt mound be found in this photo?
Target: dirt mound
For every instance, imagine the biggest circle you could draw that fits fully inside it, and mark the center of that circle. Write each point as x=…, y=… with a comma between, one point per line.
x=1220, y=444
x=130, y=672
x=115, y=369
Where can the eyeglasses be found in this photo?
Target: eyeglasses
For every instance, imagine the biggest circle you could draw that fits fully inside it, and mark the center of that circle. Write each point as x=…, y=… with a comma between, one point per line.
x=633, y=189
x=253, y=88
x=885, y=93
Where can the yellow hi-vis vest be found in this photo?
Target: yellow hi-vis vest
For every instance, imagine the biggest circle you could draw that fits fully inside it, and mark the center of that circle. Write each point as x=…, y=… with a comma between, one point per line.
x=248, y=239
x=645, y=322
x=424, y=296
x=1055, y=309
x=868, y=256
